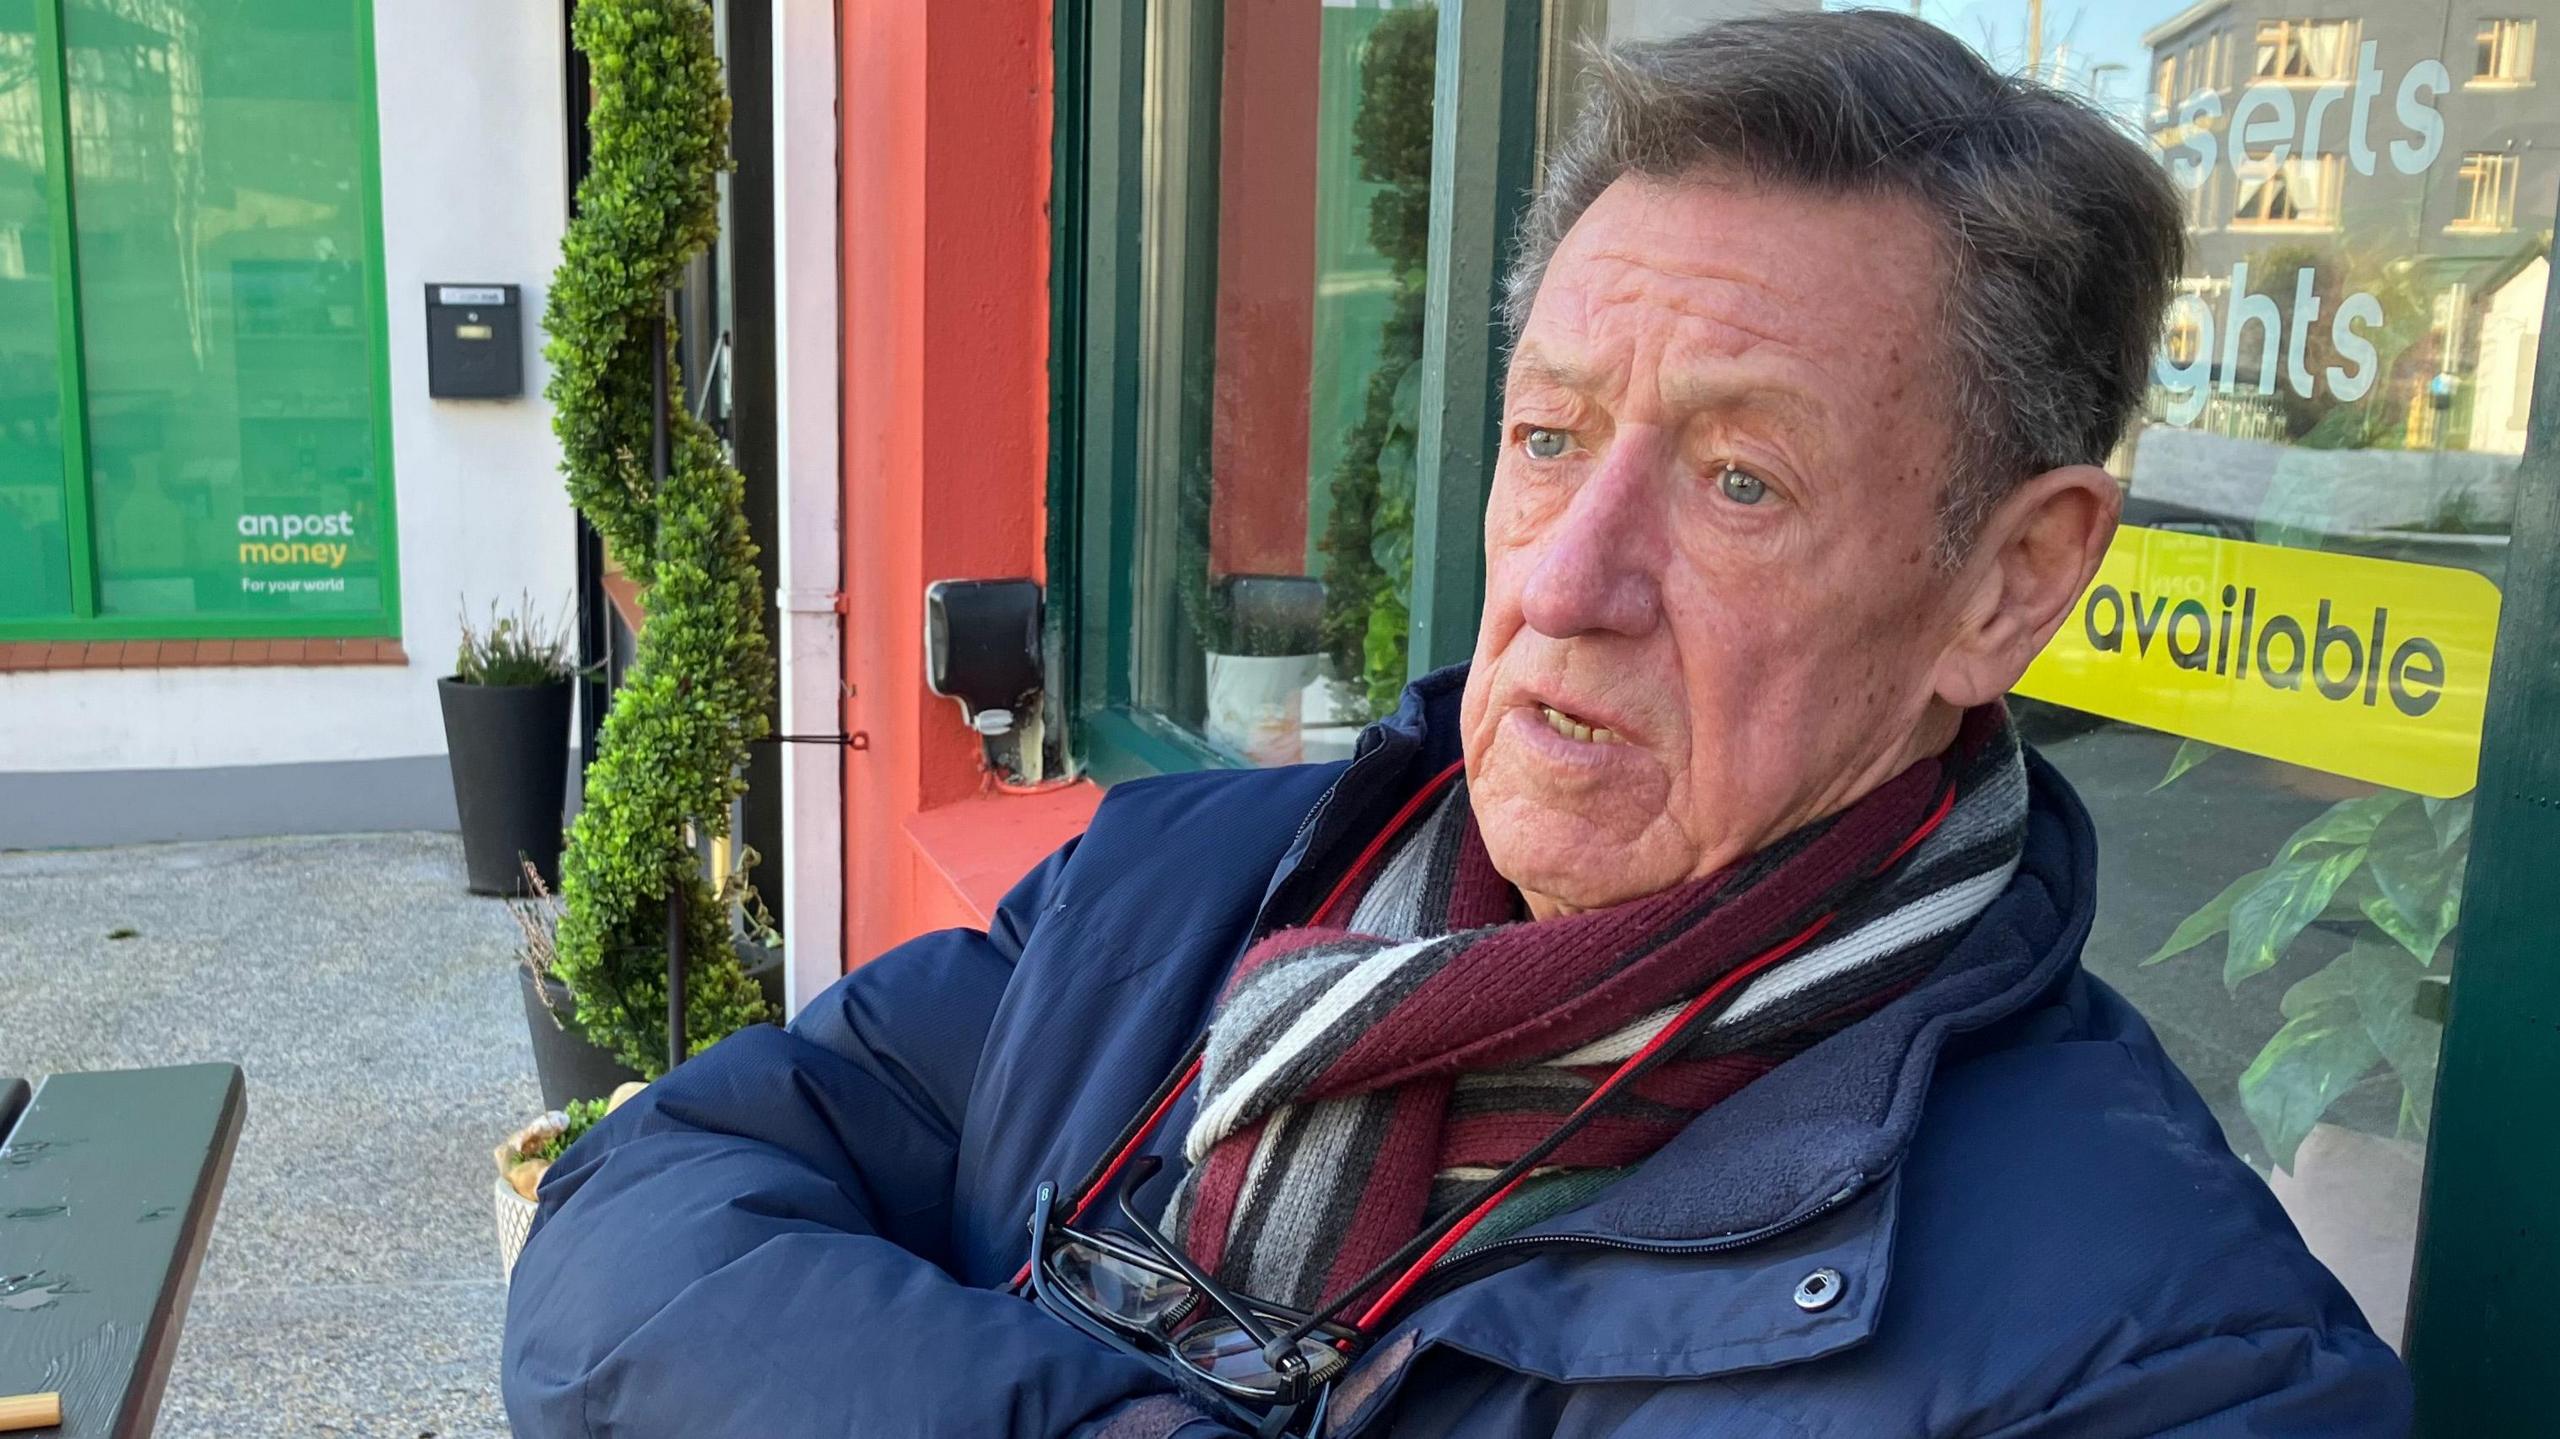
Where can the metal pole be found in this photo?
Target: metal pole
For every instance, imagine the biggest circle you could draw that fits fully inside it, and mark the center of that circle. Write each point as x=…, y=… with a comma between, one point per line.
x=661, y=460
x=675, y=972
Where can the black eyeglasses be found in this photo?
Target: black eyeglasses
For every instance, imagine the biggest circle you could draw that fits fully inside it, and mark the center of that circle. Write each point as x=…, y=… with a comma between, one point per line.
x=1271, y=1366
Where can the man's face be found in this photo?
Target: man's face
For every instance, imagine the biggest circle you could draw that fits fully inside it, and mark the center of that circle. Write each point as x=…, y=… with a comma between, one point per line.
x=1709, y=541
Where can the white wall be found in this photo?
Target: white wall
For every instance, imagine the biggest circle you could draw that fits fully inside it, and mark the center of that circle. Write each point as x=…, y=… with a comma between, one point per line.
x=474, y=181
x=2510, y=339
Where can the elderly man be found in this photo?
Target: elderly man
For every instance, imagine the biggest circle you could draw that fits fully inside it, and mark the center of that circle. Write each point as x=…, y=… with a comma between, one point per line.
x=1671, y=1024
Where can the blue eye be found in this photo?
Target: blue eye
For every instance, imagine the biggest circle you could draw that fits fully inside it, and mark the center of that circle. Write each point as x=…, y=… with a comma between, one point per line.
x=1740, y=487
x=1545, y=444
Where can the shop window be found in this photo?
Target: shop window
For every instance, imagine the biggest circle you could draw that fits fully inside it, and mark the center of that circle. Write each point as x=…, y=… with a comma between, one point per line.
x=2505, y=53
x=2486, y=191
x=2306, y=51
x=2301, y=191
x=192, y=438
x=2334, y=427
x=1253, y=546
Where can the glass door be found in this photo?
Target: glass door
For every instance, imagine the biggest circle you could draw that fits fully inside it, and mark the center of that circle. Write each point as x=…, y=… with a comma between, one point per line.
x=2272, y=698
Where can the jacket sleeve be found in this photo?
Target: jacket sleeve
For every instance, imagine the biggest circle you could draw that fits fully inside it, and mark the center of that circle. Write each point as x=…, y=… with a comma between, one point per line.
x=753, y=1244
x=2289, y=1383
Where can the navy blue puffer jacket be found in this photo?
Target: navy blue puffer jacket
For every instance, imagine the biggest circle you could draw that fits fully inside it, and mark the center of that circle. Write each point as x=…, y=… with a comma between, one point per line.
x=2040, y=1228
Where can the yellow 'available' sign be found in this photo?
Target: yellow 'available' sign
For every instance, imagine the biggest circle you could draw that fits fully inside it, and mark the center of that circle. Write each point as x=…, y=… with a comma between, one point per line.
x=2374, y=669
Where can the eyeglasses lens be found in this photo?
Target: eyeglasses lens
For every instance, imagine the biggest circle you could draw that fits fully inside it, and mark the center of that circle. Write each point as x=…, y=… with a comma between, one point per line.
x=1221, y=1349
x=1133, y=1296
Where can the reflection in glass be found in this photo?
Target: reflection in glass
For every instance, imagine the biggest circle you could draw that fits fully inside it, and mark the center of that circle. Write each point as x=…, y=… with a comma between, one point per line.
x=1285, y=251
x=218, y=164
x=2346, y=369
x=2505, y=54
x=35, y=549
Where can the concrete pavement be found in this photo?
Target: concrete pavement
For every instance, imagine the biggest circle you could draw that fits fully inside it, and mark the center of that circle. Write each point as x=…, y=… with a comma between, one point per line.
x=352, y=1286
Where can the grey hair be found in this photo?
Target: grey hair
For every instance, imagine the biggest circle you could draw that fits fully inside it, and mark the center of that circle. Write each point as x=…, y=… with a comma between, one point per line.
x=2059, y=236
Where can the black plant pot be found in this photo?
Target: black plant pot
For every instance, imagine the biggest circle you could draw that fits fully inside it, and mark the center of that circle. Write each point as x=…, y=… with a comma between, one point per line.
x=510, y=755
x=568, y=1066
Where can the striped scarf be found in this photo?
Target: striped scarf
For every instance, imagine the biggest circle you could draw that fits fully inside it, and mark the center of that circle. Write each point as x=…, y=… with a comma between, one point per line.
x=1360, y=1079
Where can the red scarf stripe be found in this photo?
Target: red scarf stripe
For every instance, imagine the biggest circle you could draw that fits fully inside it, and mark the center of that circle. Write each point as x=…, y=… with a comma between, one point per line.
x=1607, y=1141
x=1399, y=1185
x=1221, y=1179
x=1511, y=1003
x=1342, y=899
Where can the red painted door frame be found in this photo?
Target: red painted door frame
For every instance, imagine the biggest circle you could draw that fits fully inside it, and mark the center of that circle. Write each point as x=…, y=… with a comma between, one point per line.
x=945, y=116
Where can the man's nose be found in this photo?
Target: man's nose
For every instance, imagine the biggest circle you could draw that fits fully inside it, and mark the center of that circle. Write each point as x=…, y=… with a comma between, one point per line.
x=1595, y=569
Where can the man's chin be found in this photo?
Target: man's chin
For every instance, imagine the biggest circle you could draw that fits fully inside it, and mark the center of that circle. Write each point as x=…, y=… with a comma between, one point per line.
x=1561, y=856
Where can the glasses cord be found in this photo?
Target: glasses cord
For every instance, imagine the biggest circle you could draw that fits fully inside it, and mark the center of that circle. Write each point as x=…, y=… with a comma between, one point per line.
x=1508, y=1175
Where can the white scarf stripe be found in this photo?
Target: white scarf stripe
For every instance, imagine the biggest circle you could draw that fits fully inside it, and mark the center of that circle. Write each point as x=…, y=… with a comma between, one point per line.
x=1891, y=933
x=1218, y=1117
x=1613, y=1048
x=1931, y=915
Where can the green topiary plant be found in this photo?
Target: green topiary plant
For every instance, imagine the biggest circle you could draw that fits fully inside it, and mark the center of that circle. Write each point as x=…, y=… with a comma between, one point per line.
x=1368, y=540
x=669, y=758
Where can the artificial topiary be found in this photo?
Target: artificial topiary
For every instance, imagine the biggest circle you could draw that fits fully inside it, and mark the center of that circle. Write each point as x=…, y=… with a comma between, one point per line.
x=676, y=740
x=1368, y=539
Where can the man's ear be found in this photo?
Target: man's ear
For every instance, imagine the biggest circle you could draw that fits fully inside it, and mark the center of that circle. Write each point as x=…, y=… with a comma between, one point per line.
x=2032, y=558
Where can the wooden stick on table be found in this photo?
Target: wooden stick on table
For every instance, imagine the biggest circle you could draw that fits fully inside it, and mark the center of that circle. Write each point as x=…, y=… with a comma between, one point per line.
x=30, y=1411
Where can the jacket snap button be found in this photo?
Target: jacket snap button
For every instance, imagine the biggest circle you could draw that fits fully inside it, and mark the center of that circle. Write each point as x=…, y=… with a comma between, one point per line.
x=1819, y=1290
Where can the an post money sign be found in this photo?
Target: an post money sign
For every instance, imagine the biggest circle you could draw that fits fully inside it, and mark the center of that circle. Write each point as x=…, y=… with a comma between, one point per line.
x=2374, y=669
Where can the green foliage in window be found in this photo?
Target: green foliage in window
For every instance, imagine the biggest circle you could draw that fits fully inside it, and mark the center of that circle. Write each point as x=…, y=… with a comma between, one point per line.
x=1368, y=539
x=2379, y=420
x=2385, y=871
x=669, y=758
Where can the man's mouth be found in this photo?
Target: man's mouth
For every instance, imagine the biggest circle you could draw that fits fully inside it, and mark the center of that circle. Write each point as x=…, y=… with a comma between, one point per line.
x=1573, y=728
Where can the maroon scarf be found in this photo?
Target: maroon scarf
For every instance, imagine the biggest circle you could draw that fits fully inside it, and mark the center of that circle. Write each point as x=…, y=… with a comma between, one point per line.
x=1355, y=1081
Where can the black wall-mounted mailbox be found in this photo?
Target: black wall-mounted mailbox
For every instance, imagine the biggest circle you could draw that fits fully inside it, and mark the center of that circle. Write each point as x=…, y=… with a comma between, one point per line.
x=475, y=342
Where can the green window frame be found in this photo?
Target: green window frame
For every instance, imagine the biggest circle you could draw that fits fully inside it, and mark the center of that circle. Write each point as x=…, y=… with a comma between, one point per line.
x=88, y=618
x=2481, y=1324
x=1484, y=135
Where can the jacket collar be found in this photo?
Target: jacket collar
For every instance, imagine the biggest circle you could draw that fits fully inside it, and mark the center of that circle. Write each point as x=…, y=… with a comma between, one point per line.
x=1708, y=1239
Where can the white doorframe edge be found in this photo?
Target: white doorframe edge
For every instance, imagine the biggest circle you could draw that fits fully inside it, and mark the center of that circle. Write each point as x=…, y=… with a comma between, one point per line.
x=806, y=359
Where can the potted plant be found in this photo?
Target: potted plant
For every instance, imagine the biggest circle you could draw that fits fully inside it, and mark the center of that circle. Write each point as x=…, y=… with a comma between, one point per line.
x=2384, y=873
x=527, y=1155
x=1260, y=636
x=567, y=1063
x=636, y=901
x=506, y=733
x=2381, y=872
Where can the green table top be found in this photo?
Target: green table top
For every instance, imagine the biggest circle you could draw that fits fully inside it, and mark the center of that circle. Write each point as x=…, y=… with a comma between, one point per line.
x=108, y=1186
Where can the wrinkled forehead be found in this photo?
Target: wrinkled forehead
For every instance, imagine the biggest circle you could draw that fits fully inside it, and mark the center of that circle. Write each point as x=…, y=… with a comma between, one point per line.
x=1685, y=272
